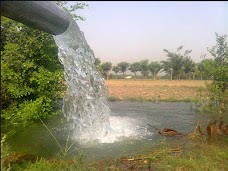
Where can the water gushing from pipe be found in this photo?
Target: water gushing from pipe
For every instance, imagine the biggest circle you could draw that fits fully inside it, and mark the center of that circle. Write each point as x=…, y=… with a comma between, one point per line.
x=85, y=100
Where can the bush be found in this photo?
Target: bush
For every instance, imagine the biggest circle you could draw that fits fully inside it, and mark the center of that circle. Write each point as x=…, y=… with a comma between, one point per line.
x=218, y=69
x=31, y=74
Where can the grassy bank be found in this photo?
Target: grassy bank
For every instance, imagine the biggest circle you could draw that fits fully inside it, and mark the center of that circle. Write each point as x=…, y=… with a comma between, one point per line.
x=154, y=90
x=194, y=155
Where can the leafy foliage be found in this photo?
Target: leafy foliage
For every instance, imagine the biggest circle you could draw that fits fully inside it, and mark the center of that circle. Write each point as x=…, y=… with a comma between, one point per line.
x=123, y=67
x=174, y=65
x=72, y=8
x=144, y=67
x=97, y=62
x=154, y=68
x=105, y=68
x=31, y=73
x=218, y=69
x=32, y=77
x=135, y=67
x=189, y=66
x=202, y=70
x=116, y=69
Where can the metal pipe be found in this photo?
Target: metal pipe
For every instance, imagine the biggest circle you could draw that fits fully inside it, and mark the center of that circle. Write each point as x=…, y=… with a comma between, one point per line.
x=43, y=15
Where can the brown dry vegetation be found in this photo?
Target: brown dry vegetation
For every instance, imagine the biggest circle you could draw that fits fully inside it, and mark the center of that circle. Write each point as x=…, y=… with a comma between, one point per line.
x=151, y=90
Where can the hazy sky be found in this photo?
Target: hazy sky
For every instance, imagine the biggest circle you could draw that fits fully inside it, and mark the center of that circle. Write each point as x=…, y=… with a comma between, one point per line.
x=135, y=30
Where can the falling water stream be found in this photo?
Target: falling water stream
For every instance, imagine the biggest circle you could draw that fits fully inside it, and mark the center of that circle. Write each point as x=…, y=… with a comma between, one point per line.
x=85, y=100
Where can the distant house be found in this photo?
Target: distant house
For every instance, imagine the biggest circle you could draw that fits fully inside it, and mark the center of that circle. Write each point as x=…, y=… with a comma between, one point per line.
x=128, y=77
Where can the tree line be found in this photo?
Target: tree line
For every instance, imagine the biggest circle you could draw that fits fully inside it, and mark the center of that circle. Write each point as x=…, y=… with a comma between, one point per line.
x=177, y=66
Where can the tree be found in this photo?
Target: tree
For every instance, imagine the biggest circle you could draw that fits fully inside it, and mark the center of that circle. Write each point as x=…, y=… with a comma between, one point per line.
x=175, y=62
x=97, y=63
x=144, y=67
x=189, y=66
x=135, y=67
x=72, y=9
x=123, y=67
x=194, y=71
x=202, y=69
x=218, y=68
x=105, y=68
x=31, y=73
x=32, y=76
x=116, y=69
x=167, y=68
x=154, y=68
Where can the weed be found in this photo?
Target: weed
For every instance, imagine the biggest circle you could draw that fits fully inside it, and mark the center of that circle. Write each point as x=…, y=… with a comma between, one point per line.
x=66, y=150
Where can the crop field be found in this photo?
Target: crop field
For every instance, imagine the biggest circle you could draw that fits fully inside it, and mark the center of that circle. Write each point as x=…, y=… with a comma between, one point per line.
x=154, y=90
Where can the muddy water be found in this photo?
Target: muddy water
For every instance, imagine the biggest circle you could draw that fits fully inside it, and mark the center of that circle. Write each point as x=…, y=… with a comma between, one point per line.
x=134, y=117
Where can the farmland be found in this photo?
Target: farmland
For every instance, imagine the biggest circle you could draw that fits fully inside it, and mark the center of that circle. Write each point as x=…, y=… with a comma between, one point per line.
x=154, y=90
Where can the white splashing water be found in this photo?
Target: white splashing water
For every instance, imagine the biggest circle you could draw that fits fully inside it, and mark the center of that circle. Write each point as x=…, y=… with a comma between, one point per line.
x=125, y=127
x=84, y=103
x=85, y=100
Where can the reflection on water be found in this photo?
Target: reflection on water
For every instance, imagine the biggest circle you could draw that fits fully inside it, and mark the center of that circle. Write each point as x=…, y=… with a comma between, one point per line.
x=134, y=117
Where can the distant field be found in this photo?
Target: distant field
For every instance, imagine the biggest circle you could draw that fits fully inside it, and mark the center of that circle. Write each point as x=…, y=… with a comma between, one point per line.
x=151, y=90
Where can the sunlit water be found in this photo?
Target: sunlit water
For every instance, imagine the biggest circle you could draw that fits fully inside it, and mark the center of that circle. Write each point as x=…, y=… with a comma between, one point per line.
x=85, y=101
x=137, y=137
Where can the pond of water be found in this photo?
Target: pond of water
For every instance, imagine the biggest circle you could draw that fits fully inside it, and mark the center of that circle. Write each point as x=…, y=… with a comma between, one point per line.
x=136, y=137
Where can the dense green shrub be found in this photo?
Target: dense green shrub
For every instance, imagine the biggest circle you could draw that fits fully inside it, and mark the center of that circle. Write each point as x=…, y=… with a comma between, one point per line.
x=217, y=68
x=31, y=74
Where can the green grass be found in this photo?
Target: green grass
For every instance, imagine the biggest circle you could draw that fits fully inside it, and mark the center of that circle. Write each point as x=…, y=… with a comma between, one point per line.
x=113, y=98
x=141, y=99
x=135, y=99
x=195, y=155
x=54, y=165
